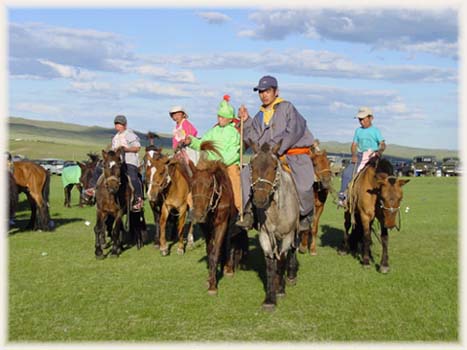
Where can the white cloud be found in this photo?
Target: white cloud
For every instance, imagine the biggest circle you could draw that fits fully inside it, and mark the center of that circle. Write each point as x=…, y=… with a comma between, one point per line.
x=37, y=108
x=214, y=17
x=68, y=71
x=427, y=31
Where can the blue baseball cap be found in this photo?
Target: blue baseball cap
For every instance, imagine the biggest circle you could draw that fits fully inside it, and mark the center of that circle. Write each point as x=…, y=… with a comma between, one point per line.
x=265, y=83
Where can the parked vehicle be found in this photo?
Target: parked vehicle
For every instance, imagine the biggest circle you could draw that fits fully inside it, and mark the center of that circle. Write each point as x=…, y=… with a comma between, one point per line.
x=403, y=168
x=53, y=165
x=338, y=164
x=424, y=166
x=451, y=166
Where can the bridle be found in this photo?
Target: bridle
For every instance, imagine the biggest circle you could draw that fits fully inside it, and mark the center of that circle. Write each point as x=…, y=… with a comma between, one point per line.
x=391, y=210
x=274, y=184
x=215, y=195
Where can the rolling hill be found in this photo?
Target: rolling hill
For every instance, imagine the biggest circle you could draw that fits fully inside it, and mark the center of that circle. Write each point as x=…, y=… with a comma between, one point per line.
x=40, y=139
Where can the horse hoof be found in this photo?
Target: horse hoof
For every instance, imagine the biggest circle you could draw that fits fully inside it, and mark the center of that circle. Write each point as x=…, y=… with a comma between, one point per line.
x=114, y=256
x=291, y=281
x=190, y=245
x=366, y=266
x=212, y=292
x=280, y=294
x=268, y=307
x=302, y=250
x=180, y=251
x=164, y=252
x=384, y=269
x=228, y=273
x=341, y=252
x=313, y=253
x=157, y=246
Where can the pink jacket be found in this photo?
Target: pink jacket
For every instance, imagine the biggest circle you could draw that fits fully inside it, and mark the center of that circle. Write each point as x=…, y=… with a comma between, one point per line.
x=181, y=131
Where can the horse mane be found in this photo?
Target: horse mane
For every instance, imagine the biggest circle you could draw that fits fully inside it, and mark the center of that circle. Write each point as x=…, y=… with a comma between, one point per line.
x=182, y=167
x=208, y=146
x=93, y=156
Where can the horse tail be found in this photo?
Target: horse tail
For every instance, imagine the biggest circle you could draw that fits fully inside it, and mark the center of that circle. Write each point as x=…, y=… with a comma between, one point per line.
x=45, y=219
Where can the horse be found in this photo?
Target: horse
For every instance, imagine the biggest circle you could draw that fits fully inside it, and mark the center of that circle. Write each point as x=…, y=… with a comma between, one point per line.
x=321, y=188
x=34, y=181
x=12, y=198
x=276, y=205
x=215, y=212
x=87, y=172
x=168, y=186
x=70, y=178
x=375, y=193
x=113, y=201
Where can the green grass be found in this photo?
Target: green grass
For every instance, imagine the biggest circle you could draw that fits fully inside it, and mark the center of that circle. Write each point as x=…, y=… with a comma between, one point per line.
x=58, y=291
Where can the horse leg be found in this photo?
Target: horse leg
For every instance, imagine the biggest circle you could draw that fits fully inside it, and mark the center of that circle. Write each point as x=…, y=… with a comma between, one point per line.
x=156, y=213
x=80, y=190
x=213, y=257
x=190, y=238
x=279, y=280
x=314, y=228
x=162, y=223
x=32, y=225
x=344, y=249
x=67, y=193
x=99, y=231
x=366, y=240
x=269, y=302
x=180, y=229
x=116, y=236
x=303, y=247
x=292, y=267
x=384, y=265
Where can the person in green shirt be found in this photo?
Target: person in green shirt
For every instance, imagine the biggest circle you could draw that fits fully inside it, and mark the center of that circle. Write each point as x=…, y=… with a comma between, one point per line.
x=226, y=139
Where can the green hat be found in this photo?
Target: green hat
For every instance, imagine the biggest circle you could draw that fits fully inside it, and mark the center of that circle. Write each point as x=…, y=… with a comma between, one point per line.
x=225, y=109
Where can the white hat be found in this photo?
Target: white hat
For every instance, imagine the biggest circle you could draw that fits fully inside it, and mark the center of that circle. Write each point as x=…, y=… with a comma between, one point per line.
x=364, y=112
x=176, y=109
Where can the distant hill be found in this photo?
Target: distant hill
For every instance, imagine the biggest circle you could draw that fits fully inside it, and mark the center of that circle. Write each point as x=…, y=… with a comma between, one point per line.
x=37, y=139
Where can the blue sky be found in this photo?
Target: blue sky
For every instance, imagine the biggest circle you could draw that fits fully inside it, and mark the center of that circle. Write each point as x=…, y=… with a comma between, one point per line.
x=87, y=65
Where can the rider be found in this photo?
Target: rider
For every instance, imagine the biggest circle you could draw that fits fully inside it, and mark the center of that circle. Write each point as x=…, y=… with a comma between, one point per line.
x=183, y=128
x=226, y=139
x=126, y=140
x=278, y=120
x=366, y=141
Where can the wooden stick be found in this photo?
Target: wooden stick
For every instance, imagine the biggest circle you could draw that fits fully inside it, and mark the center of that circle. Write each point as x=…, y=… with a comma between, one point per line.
x=241, y=164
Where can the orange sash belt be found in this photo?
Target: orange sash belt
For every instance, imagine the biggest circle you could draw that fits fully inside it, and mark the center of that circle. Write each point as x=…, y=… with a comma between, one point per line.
x=299, y=150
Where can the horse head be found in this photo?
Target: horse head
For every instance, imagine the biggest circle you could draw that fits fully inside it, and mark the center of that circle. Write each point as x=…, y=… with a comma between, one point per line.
x=87, y=173
x=389, y=197
x=264, y=166
x=112, y=170
x=157, y=175
x=321, y=165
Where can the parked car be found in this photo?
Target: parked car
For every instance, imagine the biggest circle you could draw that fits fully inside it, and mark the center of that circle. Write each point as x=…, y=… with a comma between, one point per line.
x=53, y=165
x=402, y=168
x=451, y=166
x=424, y=166
x=338, y=164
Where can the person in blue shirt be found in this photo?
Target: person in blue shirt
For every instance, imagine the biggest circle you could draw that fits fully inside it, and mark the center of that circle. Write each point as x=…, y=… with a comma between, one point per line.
x=366, y=141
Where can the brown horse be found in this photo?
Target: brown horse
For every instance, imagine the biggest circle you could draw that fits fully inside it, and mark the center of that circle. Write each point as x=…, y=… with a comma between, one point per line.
x=12, y=198
x=168, y=186
x=321, y=188
x=375, y=193
x=34, y=181
x=113, y=198
x=276, y=203
x=215, y=212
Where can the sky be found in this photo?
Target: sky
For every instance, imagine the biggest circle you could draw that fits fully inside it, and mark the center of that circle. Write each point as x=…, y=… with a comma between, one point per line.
x=85, y=65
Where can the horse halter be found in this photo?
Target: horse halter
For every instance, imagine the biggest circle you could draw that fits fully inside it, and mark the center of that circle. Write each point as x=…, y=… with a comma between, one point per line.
x=164, y=182
x=391, y=210
x=215, y=196
x=274, y=184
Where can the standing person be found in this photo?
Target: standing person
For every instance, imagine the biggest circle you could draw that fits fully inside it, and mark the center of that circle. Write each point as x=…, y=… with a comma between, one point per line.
x=129, y=143
x=226, y=139
x=366, y=141
x=278, y=120
x=183, y=128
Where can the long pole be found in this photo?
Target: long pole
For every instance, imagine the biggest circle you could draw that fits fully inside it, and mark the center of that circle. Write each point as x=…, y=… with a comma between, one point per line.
x=241, y=162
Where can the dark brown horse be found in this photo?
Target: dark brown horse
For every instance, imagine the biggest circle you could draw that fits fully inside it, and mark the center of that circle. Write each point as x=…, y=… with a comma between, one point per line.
x=215, y=212
x=12, y=198
x=168, y=187
x=34, y=181
x=87, y=172
x=375, y=193
x=113, y=199
x=276, y=203
x=321, y=188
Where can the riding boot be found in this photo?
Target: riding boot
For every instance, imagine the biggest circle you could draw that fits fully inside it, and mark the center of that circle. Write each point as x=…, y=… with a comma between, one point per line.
x=248, y=218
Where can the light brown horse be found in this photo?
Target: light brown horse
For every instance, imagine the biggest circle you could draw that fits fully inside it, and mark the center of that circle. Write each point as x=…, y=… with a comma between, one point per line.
x=167, y=178
x=376, y=193
x=34, y=181
x=321, y=188
x=214, y=210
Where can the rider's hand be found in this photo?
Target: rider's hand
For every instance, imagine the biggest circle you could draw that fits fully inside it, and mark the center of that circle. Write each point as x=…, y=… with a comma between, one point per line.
x=187, y=140
x=354, y=158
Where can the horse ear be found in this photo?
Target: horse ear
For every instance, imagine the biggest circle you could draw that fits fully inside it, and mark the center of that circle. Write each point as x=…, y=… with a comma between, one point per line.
x=81, y=165
x=253, y=145
x=402, y=182
x=192, y=166
x=381, y=178
x=276, y=147
x=104, y=154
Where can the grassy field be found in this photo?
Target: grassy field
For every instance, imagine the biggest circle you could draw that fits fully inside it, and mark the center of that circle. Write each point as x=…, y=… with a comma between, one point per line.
x=58, y=291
